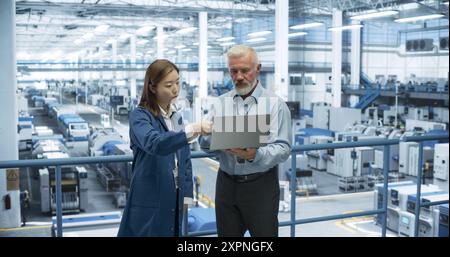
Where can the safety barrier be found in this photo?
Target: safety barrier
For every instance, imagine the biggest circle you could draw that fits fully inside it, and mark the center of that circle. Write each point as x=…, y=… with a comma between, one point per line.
x=295, y=150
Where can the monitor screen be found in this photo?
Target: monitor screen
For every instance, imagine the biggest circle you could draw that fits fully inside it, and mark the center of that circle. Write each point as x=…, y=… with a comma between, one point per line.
x=294, y=108
x=116, y=100
x=405, y=220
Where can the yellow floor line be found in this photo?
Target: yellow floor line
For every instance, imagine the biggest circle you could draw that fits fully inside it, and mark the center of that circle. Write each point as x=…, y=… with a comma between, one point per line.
x=356, y=219
x=341, y=224
x=206, y=200
x=23, y=228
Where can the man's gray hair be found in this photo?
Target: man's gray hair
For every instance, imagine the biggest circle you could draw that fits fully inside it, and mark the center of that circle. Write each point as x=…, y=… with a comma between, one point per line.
x=242, y=50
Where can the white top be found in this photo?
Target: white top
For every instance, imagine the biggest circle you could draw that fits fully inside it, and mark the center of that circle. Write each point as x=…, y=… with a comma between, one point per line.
x=189, y=135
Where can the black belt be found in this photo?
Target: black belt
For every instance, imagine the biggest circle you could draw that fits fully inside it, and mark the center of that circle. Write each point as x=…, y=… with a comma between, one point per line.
x=248, y=177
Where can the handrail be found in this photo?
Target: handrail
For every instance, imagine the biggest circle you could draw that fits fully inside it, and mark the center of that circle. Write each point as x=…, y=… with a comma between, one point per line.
x=295, y=150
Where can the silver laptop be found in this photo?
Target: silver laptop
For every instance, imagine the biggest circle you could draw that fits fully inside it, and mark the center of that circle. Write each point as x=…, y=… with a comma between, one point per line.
x=249, y=131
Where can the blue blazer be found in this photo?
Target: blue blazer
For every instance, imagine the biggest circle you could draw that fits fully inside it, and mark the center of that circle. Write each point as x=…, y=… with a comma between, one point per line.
x=151, y=205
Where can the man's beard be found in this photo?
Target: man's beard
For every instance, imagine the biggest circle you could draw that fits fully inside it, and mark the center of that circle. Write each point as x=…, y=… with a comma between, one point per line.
x=244, y=90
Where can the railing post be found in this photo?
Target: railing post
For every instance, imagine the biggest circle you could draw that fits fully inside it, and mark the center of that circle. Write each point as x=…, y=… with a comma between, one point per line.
x=419, y=183
x=386, y=160
x=184, y=225
x=293, y=184
x=58, y=202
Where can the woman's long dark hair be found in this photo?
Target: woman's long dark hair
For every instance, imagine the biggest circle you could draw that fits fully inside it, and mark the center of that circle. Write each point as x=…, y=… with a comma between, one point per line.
x=156, y=71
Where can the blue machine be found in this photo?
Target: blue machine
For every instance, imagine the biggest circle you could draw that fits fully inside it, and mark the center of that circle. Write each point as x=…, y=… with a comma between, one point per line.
x=435, y=132
x=302, y=136
x=108, y=147
x=443, y=220
x=69, y=120
x=201, y=219
x=411, y=204
x=65, y=116
x=91, y=224
x=304, y=112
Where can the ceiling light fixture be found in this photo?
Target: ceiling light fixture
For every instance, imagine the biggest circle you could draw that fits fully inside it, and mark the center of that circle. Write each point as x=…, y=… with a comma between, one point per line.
x=373, y=15
x=260, y=33
x=186, y=30
x=297, y=34
x=256, y=39
x=307, y=25
x=227, y=43
x=348, y=27
x=223, y=39
x=419, y=18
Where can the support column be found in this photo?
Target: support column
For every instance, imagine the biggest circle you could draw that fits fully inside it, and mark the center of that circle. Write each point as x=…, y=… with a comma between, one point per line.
x=9, y=218
x=281, y=84
x=159, y=42
x=336, y=53
x=114, y=60
x=203, y=54
x=355, y=62
x=133, y=65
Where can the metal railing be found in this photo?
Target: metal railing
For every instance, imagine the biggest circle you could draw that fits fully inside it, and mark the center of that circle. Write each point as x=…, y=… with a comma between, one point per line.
x=293, y=181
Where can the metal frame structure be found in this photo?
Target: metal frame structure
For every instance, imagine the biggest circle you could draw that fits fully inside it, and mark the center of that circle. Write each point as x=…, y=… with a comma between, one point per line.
x=295, y=150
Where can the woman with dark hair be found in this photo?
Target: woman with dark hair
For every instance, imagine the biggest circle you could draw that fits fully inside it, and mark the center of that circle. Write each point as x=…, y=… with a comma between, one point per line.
x=162, y=169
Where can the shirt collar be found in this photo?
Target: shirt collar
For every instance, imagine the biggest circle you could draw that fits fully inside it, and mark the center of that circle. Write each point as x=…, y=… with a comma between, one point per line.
x=169, y=114
x=255, y=95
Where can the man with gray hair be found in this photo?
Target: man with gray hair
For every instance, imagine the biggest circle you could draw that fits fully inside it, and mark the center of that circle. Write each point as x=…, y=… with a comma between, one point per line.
x=247, y=187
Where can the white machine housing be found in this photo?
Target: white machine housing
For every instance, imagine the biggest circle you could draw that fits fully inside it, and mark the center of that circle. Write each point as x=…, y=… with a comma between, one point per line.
x=351, y=162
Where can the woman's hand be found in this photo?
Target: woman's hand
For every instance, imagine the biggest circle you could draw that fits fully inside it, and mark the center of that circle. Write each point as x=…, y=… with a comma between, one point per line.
x=203, y=127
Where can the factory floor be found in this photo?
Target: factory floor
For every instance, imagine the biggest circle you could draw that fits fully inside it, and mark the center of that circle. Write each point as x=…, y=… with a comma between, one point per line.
x=328, y=201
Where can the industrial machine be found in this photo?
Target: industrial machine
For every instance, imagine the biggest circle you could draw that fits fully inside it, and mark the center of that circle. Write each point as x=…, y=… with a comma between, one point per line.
x=443, y=221
x=315, y=159
x=428, y=155
x=285, y=167
x=47, y=146
x=429, y=216
x=76, y=130
x=114, y=176
x=398, y=202
x=404, y=151
x=25, y=131
x=100, y=137
x=378, y=195
x=424, y=125
x=417, y=113
x=440, y=165
x=353, y=161
x=303, y=136
x=42, y=131
x=371, y=114
x=335, y=119
x=353, y=166
x=73, y=185
x=120, y=100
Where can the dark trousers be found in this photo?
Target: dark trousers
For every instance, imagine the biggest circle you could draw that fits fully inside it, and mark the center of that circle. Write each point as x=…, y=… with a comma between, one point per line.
x=247, y=205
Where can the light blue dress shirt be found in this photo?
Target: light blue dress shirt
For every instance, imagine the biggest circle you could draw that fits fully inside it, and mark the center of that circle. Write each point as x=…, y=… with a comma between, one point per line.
x=260, y=102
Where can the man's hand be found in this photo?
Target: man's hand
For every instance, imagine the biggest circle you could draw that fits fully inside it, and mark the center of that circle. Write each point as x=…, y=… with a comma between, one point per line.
x=247, y=153
x=202, y=127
